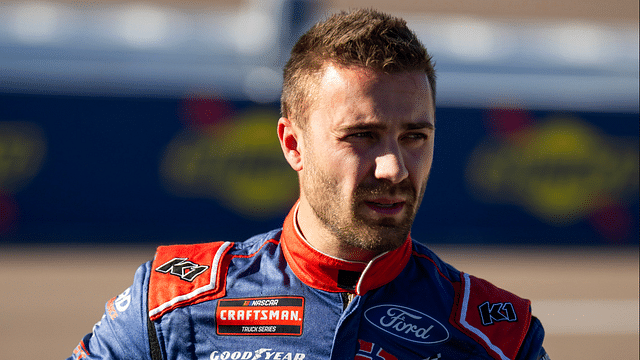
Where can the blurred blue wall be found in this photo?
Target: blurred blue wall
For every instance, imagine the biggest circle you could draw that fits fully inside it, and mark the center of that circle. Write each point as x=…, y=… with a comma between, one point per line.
x=95, y=169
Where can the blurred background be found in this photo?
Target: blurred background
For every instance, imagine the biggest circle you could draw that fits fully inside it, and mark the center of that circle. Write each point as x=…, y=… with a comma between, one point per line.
x=127, y=125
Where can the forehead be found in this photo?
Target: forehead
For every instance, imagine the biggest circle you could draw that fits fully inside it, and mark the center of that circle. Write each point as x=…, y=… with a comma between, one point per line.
x=368, y=80
x=354, y=94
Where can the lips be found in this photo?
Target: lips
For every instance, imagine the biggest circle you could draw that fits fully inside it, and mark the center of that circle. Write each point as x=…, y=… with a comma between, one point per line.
x=386, y=207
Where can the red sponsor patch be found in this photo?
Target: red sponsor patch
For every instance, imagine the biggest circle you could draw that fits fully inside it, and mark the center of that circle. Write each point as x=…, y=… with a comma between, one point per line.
x=281, y=315
x=186, y=275
x=496, y=318
x=111, y=309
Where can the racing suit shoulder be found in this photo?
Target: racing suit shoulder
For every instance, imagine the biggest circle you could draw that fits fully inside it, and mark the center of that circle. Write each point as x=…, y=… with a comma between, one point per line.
x=122, y=332
x=497, y=319
x=179, y=275
x=183, y=275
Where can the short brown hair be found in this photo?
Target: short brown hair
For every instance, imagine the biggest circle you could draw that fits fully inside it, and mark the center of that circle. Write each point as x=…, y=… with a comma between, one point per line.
x=363, y=38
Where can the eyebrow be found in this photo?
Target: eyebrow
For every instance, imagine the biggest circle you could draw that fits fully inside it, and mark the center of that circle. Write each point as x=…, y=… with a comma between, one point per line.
x=378, y=126
x=419, y=125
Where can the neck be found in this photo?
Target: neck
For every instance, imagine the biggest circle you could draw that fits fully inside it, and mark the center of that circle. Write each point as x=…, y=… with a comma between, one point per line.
x=316, y=234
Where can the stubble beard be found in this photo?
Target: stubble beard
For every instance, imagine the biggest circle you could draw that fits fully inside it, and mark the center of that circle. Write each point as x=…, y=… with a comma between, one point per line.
x=343, y=217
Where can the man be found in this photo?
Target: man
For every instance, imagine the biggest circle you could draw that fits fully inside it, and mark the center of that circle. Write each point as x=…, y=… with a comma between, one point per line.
x=342, y=279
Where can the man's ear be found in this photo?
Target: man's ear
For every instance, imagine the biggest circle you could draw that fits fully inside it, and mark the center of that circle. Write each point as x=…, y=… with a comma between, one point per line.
x=290, y=136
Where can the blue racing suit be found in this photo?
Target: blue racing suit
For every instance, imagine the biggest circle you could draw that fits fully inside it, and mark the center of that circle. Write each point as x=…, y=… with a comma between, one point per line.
x=275, y=297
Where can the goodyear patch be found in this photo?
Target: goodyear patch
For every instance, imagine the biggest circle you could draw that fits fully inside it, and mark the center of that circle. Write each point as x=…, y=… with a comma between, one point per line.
x=281, y=315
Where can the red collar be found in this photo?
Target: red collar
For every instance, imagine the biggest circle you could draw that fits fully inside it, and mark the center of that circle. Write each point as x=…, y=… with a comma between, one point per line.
x=320, y=271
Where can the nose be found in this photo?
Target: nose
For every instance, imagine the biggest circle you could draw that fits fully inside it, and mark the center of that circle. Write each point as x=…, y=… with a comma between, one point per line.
x=390, y=166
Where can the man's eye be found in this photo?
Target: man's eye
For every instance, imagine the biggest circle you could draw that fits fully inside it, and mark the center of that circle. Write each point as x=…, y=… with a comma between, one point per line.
x=416, y=136
x=362, y=135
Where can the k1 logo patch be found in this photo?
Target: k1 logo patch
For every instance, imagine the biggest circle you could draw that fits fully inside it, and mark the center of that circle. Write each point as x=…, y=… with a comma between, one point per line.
x=182, y=268
x=492, y=313
x=281, y=315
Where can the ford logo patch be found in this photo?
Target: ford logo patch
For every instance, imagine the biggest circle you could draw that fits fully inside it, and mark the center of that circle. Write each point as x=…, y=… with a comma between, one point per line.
x=407, y=324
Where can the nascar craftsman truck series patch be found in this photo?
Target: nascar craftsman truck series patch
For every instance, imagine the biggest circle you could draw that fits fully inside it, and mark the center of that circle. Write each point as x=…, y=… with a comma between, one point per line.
x=260, y=316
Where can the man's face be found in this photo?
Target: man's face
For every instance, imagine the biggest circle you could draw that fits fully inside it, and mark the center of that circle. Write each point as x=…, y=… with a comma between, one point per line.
x=367, y=151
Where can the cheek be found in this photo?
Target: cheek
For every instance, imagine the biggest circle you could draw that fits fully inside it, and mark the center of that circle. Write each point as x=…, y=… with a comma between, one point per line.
x=347, y=170
x=421, y=164
x=357, y=168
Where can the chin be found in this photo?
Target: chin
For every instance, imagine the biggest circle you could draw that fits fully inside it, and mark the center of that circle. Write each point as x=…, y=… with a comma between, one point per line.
x=383, y=238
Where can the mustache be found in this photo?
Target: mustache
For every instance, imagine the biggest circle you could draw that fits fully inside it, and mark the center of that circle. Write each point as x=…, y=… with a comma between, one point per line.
x=386, y=188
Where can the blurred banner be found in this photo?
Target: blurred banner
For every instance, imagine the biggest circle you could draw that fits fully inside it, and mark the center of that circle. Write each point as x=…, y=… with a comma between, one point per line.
x=200, y=168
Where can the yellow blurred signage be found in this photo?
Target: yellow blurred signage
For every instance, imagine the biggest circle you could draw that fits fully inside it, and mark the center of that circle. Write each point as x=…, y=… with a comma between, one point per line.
x=23, y=148
x=560, y=170
x=238, y=163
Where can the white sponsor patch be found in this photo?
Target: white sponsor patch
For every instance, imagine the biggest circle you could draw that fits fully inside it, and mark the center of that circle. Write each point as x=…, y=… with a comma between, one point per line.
x=407, y=324
x=267, y=354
